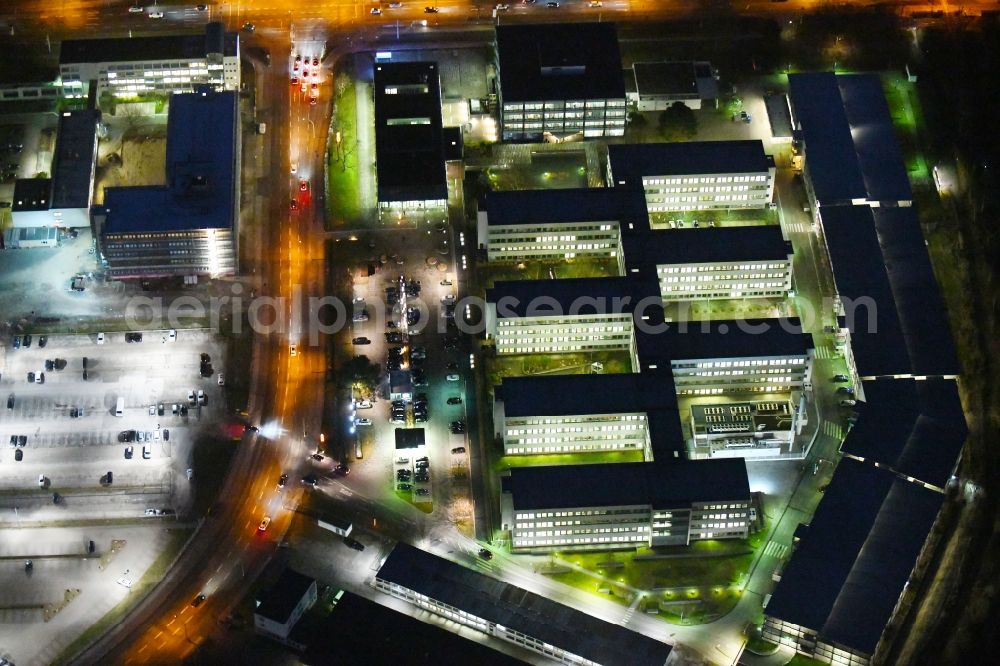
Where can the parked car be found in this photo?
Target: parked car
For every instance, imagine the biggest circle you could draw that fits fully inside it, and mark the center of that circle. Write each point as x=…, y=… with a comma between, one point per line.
x=485, y=554
x=354, y=544
x=848, y=403
x=129, y=452
x=452, y=377
x=454, y=400
x=361, y=341
x=458, y=449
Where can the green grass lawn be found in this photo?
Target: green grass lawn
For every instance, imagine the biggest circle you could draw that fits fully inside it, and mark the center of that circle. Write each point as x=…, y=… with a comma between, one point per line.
x=569, y=459
x=343, y=197
x=802, y=660
x=722, y=218
x=758, y=645
x=543, y=269
x=519, y=365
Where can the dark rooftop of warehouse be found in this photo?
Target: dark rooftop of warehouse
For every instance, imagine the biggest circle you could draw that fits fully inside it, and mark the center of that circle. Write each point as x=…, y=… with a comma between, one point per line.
x=517, y=609
x=712, y=244
x=566, y=395
x=850, y=142
x=31, y=194
x=359, y=629
x=409, y=438
x=75, y=159
x=201, y=160
x=848, y=571
x=574, y=296
x=914, y=427
x=630, y=162
x=721, y=339
x=278, y=601
x=167, y=47
x=664, y=485
x=409, y=141
x=585, y=204
x=666, y=78
x=559, y=61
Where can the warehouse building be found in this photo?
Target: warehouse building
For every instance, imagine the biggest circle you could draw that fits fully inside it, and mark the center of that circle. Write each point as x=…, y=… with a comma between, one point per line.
x=562, y=316
x=410, y=143
x=694, y=175
x=501, y=610
x=129, y=67
x=63, y=200
x=723, y=357
x=749, y=430
x=625, y=505
x=556, y=414
x=280, y=607
x=560, y=82
x=712, y=263
x=187, y=226
x=654, y=86
x=851, y=156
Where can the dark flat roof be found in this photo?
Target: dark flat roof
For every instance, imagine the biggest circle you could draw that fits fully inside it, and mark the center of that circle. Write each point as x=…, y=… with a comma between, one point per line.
x=722, y=339
x=409, y=438
x=127, y=49
x=559, y=61
x=851, y=147
x=585, y=296
x=713, y=244
x=916, y=428
x=358, y=629
x=567, y=395
x=74, y=161
x=848, y=571
x=921, y=308
x=516, y=608
x=410, y=161
x=818, y=111
x=31, y=194
x=278, y=601
x=877, y=340
x=666, y=78
x=586, y=204
x=663, y=485
x=630, y=162
x=201, y=158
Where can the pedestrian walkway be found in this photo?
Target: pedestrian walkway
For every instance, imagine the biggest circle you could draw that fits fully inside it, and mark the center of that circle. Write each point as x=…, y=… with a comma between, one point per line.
x=631, y=610
x=798, y=227
x=833, y=429
x=825, y=352
x=775, y=549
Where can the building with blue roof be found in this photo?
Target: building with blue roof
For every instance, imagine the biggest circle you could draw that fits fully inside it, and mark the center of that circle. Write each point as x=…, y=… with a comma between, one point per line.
x=694, y=175
x=849, y=142
x=559, y=81
x=554, y=414
x=625, y=505
x=840, y=589
x=188, y=225
x=510, y=613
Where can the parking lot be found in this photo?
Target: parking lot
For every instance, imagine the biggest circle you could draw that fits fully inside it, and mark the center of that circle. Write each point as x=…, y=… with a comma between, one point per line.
x=67, y=452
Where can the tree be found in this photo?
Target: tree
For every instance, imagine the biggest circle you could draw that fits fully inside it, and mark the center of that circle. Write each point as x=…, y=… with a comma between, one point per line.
x=678, y=123
x=361, y=373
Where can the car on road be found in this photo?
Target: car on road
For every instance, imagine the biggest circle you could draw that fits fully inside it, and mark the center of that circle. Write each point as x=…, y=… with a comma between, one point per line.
x=376, y=11
x=552, y=5
x=363, y=404
x=319, y=457
x=502, y=7
x=156, y=15
x=198, y=601
x=454, y=400
x=150, y=512
x=222, y=381
x=458, y=449
x=593, y=4
x=452, y=377
x=361, y=341
x=136, y=9
x=303, y=185
x=841, y=378
x=341, y=470
x=430, y=10
x=282, y=480
x=354, y=543
x=362, y=422
x=485, y=554
x=845, y=390
x=310, y=479
x=263, y=524
x=129, y=451
x=293, y=204
x=293, y=350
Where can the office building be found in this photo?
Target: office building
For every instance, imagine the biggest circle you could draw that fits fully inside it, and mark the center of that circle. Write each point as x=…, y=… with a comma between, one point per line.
x=555, y=414
x=571, y=315
x=749, y=430
x=63, y=200
x=187, y=226
x=129, y=67
x=625, y=505
x=712, y=263
x=851, y=565
x=410, y=146
x=694, y=175
x=723, y=357
x=654, y=86
x=359, y=631
x=560, y=82
x=279, y=608
x=510, y=613
x=848, y=141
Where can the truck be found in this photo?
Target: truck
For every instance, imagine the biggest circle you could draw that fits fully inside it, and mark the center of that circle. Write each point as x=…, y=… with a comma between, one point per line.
x=261, y=128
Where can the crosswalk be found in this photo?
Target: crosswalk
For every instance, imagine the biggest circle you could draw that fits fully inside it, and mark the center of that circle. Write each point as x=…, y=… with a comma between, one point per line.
x=824, y=352
x=833, y=429
x=630, y=611
x=798, y=227
x=775, y=549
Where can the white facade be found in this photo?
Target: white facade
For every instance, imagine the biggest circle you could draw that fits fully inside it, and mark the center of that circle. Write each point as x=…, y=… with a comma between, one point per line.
x=560, y=333
x=209, y=252
x=554, y=240
x=708, y=191
x=582, y=433
x=128, y=79
x=743, y=430
x=589, y=118
x=758, y=374
x=281, y=628
x=713, y=280
x=632, y=526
